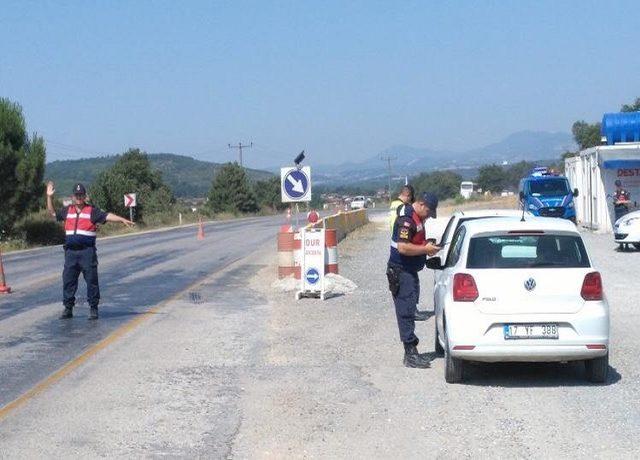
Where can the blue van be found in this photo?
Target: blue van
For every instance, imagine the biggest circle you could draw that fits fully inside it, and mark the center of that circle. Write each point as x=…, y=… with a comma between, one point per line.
x=544, y=193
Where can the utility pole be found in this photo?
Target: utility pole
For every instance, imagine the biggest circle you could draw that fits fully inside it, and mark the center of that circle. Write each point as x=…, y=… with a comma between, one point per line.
x=389, y=158
x=241, y=146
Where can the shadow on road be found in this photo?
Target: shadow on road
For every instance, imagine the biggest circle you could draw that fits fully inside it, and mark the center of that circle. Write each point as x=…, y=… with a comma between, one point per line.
x=527, y=375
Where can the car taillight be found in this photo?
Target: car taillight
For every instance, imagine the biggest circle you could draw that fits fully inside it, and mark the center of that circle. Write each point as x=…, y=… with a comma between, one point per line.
x=592, y=287
x=464, y=288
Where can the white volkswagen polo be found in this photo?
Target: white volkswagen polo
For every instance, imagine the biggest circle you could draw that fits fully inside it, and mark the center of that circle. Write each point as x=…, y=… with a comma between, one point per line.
x=513, y=290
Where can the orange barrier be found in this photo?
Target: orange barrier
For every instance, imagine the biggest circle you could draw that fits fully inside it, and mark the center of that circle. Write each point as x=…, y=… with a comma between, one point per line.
x=289, y=247
x=331, y=250
x=4, y=289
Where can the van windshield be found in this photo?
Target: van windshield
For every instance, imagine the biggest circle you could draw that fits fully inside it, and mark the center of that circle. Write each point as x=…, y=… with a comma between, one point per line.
x=549, y=187
x=527, y=251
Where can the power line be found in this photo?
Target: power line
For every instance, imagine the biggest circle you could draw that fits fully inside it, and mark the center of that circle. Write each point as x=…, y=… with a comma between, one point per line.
x=389, y=158
x=241, y=146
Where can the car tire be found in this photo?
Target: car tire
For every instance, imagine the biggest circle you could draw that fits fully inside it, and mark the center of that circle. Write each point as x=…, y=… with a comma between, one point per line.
x=597, y=369
x=453, y=367
x=637, y=246
x=437, y=347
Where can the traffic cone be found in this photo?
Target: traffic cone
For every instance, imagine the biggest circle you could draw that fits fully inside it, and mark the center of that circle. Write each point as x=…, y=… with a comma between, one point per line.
x=200, y=235
x=287, y=226
x=4, y=289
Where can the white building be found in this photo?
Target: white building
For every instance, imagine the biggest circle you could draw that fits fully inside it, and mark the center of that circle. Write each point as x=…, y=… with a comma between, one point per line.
x=594, y=172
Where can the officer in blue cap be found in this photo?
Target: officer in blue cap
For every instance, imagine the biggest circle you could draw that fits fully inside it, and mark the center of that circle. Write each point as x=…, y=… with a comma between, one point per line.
x=81, y=222
x=407, y=257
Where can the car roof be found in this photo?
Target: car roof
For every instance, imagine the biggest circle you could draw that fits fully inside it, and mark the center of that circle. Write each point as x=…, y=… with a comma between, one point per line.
x=531, y=223
x=488, y=213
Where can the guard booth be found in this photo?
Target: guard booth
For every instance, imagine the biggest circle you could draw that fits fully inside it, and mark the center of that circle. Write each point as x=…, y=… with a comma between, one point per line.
x=595, y=170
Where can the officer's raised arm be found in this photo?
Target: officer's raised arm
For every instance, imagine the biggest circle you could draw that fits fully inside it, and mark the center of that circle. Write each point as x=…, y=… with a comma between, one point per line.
x=51, y=190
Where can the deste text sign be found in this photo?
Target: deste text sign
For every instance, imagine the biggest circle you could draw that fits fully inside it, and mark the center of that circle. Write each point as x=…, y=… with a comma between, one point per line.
x=295, y=184
x=313, y=260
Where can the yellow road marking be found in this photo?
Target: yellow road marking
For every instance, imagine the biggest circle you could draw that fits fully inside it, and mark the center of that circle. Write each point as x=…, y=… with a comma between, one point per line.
x=111, y=338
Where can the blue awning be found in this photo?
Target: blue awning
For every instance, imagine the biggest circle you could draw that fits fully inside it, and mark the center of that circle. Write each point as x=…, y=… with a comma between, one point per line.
x=621, y=164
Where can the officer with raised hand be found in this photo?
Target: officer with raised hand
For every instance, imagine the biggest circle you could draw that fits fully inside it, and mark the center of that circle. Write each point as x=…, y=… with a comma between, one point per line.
x=407, y=257
x=80, y=256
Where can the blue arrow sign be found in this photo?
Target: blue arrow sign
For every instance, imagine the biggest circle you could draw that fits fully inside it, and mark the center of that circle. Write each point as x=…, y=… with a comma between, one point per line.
x=296, y=184
x=312, y=276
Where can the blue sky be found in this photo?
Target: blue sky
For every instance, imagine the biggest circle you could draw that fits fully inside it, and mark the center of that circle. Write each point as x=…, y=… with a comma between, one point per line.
x=343, y=80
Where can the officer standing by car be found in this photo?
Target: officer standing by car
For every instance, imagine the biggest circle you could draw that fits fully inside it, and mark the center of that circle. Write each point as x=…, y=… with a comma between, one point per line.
x=406, y=197
x=80, y=256
x=407, y=257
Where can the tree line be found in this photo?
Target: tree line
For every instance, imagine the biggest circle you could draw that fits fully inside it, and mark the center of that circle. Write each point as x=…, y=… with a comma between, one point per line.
x=22, y=170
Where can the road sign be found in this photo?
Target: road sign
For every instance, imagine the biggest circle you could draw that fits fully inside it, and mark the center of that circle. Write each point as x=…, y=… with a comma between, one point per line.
x=295, y=184
x=312, y=279
x=312, y=276
x=130, y=200
x=313, y=216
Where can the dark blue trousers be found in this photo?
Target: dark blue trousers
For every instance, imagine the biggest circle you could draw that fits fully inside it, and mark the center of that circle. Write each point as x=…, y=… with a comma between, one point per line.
x=83, y=261
x=406, y=302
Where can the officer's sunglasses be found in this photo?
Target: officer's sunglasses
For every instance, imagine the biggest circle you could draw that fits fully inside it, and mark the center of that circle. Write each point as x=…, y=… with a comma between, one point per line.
x=80, y=196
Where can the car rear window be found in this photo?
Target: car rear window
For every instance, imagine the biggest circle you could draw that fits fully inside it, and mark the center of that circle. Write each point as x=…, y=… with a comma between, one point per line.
x=527, y=251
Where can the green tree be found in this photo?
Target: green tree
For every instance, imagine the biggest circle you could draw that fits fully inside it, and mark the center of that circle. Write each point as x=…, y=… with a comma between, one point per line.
x=492, y=178
x=231, y=191
x=22, y=161
x=268, y=194
x=586, y=135
x=444, y=184
x=132, y=173
x=635, y=107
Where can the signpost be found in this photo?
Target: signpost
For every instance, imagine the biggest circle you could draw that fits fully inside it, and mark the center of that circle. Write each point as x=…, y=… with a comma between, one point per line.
x=130, y=202
x=295, y=184
x=312, y=269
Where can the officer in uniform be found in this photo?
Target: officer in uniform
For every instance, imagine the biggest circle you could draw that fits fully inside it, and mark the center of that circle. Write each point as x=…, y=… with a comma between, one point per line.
x=80, y=227
x=406, y=197
x=403, y=206
x=407, y=257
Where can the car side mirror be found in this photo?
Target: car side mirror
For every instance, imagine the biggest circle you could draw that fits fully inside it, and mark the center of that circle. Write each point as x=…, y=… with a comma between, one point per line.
x=575, y=192
x=521, y=195
x=434, y=263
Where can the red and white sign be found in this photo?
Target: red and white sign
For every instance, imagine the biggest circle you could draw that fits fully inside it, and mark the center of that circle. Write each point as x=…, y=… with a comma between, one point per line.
x=313, y=216
x=130, y=200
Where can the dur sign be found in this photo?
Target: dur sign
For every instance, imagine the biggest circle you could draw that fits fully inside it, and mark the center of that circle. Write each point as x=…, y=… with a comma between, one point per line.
x=312, y=269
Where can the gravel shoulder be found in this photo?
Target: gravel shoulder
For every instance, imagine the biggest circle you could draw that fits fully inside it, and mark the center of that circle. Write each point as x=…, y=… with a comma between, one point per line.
x=235, y=369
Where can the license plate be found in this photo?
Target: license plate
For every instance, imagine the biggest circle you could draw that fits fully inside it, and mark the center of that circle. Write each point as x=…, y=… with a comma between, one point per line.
x=530, y=331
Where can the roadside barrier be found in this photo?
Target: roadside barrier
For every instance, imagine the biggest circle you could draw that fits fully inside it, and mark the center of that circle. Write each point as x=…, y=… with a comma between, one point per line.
x=289, y=246
x=4, y=289
x=337, y=227
x=331, y=250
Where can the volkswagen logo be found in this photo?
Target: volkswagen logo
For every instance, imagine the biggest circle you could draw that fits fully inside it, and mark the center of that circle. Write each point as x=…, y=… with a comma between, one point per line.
x=530, y=284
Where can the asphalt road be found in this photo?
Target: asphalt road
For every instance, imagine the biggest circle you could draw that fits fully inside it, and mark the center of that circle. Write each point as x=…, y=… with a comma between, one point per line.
x=137, y=272
x=232, y=368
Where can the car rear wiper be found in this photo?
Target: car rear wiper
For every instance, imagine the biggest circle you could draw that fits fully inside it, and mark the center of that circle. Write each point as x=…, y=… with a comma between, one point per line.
x=547, y=264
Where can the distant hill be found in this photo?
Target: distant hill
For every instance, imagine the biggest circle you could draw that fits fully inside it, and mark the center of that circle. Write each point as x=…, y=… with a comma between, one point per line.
x=523, y=145
x=187, y=176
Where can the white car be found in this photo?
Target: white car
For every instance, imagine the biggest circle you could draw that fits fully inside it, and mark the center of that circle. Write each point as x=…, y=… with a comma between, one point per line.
x=358, y=202
x=520, y=291
x=627, y=230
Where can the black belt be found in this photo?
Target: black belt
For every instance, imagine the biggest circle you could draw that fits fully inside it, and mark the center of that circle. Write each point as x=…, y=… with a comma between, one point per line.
x=76, y=247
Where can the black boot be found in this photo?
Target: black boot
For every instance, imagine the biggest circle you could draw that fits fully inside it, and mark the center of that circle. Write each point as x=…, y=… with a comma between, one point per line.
x=93, y=313
x=423, y=315
x=413, y=359
x=67, y=313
